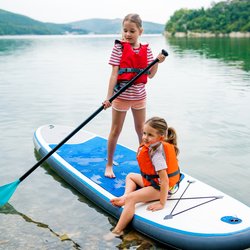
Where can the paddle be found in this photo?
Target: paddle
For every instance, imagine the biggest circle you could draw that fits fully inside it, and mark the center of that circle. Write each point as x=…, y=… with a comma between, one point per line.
x=7, y=190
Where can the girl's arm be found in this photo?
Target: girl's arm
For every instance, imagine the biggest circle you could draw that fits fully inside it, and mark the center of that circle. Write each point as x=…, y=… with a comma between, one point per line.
x=112, y=83
x=163, y=192
x=154, y=68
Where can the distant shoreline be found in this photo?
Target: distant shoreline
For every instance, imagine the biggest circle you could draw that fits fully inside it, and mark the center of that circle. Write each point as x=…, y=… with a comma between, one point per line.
x=69, y=36
x=166, y=34
x=208, y=34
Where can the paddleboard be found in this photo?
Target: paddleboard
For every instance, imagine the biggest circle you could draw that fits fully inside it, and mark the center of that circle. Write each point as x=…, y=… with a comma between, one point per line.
x=197, y=216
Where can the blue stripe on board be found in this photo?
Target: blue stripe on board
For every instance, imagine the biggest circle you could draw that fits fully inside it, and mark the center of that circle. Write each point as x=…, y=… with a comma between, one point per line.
x=89, y=158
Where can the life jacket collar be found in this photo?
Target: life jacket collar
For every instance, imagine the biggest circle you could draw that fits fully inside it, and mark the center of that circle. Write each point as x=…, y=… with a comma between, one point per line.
x=151, y=145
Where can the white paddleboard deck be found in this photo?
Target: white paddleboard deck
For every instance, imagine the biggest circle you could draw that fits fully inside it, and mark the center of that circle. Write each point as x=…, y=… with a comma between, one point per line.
x=196, y=217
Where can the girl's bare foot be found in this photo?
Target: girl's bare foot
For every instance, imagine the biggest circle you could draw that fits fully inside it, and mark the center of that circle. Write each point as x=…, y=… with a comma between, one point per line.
x=111, y=235
x=118, y=201
x=109, y=172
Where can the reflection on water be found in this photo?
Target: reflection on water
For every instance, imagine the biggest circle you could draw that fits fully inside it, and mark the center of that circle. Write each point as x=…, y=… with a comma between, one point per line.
x=7, y=46
x=234, y=51
x=9, y=209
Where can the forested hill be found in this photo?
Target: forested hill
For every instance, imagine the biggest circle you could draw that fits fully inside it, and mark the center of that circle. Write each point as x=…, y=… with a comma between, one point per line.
x=223, y=17
x=113, y=26
x=15, y=24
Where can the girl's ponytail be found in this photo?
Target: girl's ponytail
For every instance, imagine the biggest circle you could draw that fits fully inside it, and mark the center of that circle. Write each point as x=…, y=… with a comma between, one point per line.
x=172, y=139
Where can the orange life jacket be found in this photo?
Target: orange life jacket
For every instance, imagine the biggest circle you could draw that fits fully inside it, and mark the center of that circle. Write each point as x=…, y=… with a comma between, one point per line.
x=132, y=63
x=150, y=176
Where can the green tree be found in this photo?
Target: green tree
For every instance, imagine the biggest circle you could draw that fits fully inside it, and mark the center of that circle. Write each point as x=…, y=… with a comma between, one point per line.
x=222, y=17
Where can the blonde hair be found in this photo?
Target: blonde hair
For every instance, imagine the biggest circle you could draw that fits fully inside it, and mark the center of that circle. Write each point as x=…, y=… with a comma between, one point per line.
x=134, y=18
x=162, y=128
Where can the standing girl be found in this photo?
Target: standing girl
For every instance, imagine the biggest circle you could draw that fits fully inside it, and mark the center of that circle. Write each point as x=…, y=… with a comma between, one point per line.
x=128, y=57
x=160, y=174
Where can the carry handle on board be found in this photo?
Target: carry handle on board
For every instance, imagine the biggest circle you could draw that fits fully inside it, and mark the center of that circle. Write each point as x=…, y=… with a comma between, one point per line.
x=7, y=190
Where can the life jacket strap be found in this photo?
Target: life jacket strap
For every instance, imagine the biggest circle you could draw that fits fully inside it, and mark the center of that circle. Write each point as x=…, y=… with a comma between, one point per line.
x=131, y=70
x=174, y=173
x=150, y=178
x=157, y=176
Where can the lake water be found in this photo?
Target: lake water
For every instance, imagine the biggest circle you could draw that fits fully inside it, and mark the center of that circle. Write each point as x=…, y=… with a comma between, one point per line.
x=202, y=89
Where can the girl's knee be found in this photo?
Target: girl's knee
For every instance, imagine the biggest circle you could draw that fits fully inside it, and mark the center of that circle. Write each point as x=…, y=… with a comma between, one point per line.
x=115, y=132
x=129, y=176
x=139, y=129
x=130, y=199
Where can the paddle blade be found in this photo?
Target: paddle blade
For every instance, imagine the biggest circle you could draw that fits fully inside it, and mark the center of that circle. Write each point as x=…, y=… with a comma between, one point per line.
x=6, y=191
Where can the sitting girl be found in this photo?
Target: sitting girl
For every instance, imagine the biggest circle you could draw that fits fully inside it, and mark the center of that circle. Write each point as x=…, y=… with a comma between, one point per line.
x=160, y=174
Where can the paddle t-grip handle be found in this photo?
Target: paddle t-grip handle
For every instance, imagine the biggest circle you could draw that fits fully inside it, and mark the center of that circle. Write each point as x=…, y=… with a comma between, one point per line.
x=164, y=52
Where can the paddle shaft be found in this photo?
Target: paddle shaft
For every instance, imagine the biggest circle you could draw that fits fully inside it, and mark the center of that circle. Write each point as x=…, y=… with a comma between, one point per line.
x=89, y=118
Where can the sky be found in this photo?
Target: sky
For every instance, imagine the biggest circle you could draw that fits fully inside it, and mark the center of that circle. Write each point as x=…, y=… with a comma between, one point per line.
x=63, y=11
